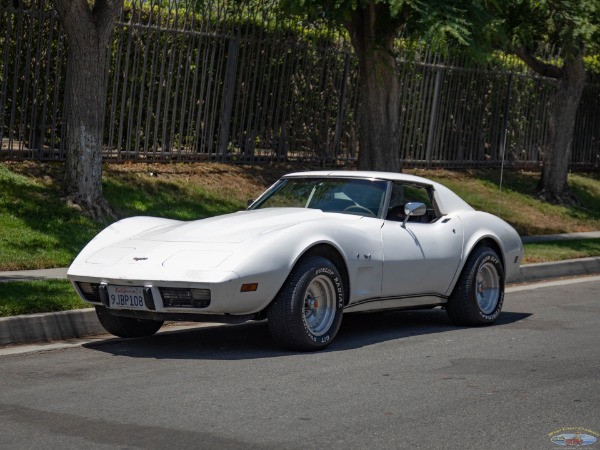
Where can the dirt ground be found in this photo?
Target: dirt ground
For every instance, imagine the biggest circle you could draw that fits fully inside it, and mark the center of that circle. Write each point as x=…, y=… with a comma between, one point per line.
x=243, y=179
x=212, y=176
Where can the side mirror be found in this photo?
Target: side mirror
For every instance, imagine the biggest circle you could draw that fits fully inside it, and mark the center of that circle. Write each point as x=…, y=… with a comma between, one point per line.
x=413, y=209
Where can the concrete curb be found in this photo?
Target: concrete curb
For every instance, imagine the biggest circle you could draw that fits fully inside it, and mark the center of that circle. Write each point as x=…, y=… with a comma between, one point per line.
x=49, y=326
x=546, y=271
x=561, y=237
x=83, y=322
x=31, y=275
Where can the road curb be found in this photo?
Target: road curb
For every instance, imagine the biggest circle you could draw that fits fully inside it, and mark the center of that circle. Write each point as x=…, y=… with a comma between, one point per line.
x=560, y=269
x=83, y=322
x=49, y=326
x=33, y=275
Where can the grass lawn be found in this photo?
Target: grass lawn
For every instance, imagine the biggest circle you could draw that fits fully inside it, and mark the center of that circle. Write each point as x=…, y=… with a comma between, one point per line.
x=39, y=230
x=560, y=250
x=29, y=297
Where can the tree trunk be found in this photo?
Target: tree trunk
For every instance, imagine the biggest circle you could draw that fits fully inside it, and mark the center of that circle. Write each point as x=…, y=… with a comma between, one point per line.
x=88, y=30
x=553, y=186
x=372, y=31
x=379, y=114
x=85, y=125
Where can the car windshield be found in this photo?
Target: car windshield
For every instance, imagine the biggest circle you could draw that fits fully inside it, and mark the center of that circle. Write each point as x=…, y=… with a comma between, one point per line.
x=344, y=195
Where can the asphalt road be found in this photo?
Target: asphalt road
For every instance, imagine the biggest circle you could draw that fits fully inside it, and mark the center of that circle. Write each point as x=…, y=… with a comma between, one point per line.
x=390, y=380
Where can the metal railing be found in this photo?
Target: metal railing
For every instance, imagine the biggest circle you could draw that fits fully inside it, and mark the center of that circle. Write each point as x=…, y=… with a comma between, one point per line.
x=244, y=82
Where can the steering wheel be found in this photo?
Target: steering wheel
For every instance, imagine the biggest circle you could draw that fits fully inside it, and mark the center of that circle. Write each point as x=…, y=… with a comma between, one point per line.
x=361, y=209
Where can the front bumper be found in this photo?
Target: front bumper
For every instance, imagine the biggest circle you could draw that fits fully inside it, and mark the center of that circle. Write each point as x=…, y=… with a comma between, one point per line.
x=172, y=300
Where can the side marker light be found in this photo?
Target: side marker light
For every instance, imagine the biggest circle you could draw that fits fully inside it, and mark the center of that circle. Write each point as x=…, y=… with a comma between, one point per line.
x=249, y=287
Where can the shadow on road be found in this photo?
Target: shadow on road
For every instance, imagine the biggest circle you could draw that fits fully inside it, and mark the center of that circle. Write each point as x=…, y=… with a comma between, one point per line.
x=253, y=340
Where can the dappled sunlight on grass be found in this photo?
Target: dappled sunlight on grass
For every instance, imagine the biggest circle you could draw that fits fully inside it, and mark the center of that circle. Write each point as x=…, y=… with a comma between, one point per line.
x=38, y=229
x=131, y=195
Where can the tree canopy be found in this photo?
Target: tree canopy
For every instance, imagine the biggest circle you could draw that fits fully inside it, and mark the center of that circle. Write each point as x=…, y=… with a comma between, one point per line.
x=571, y=25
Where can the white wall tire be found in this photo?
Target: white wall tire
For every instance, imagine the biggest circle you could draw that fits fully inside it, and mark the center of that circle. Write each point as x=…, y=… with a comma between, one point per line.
x=307, y=313
x=478, y=296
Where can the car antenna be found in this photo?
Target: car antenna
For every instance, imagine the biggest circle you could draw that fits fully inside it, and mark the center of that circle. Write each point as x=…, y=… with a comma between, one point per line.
x=504, y=134
x=501, y=179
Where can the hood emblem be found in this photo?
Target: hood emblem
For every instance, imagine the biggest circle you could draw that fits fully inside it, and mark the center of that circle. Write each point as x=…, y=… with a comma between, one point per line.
x=140, y=258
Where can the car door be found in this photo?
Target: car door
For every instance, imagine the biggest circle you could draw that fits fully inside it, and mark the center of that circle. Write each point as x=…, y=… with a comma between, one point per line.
x=420, y=258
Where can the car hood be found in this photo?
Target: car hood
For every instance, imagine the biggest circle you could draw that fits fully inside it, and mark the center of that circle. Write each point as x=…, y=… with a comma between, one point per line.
x=184, y=251
x=232, y=228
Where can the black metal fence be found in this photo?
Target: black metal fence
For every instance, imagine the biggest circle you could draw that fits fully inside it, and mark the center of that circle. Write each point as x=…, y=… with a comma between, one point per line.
x=461, y=116
x=32, y=72
x=244, y=82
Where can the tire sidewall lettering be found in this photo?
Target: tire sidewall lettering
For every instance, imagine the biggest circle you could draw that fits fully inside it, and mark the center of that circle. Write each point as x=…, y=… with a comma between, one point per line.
x=335, y=278
x=491, y=258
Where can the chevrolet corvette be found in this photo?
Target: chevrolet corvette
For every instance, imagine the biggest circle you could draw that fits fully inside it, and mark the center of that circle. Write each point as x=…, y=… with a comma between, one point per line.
x=315, y=246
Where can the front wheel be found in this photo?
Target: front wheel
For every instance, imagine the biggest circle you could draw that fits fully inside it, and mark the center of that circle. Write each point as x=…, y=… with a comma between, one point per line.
x=479, y=293
x=126, y=327
x=307, y=313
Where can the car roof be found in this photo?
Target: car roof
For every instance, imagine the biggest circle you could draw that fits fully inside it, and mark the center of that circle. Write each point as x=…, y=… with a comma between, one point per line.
x=446, y=199
x=392, y=176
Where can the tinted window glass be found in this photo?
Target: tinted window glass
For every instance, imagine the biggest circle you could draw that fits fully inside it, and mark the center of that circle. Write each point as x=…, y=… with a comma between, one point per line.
x=362, y=197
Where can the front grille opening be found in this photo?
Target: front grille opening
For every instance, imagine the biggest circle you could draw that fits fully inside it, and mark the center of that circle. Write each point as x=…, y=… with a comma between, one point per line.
x=91, y=291
x=184, y=297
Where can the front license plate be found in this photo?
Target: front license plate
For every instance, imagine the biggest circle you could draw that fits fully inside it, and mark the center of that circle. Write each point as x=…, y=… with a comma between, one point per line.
x=126, y=297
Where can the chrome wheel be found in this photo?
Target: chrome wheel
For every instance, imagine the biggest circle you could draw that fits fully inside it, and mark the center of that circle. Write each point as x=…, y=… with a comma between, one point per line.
x=487, y=288
x=319, y=305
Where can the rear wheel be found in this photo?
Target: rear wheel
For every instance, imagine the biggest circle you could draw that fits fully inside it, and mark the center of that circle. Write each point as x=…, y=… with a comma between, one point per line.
x=126, y=327
x=307, y=313
x=479, y=293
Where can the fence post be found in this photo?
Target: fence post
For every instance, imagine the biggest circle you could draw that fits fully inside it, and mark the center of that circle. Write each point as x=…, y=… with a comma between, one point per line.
x=433, y=116
x=228, y=93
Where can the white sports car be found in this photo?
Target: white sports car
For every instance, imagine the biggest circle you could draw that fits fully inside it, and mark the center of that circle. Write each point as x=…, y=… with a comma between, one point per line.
x=315, y=245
